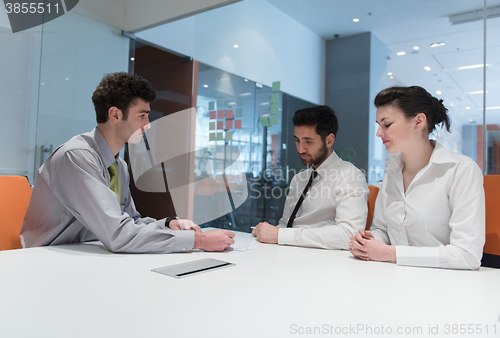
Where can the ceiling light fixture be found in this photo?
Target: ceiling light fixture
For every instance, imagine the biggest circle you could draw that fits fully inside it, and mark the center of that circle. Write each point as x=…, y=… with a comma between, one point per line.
x=438, y=92
x=206, y=86
x=427, y=68
x=246, y=80
x=475, y=15
x=391, y=77
x=472, y=66
x=389, y=73
x=467, y=107
x=400, y=53
x=416, y=47
x=437, y=44
x=355, y=20
x=235, y=46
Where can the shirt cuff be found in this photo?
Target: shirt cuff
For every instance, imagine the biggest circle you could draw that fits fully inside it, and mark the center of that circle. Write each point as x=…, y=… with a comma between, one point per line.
x=417, y=256
x=184, y=240
x=286, y=236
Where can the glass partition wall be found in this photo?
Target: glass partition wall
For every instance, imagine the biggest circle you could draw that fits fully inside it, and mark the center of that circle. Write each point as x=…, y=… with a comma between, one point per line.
x=234, y=111
x=48, y=75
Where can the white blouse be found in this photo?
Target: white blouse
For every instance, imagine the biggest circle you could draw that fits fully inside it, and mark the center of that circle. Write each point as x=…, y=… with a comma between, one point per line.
x=440, y=220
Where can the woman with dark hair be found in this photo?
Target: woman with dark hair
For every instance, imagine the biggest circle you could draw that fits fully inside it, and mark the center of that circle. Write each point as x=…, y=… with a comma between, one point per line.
x=430, y=209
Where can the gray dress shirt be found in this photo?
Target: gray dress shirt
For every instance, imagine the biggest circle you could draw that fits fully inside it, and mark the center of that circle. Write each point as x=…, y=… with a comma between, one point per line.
x=72, y=203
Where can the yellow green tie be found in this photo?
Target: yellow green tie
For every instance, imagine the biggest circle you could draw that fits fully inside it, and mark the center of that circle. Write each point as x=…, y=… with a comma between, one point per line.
x=114, y=179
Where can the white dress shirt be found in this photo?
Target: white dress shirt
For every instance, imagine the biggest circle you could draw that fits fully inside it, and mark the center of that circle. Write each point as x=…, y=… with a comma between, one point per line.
x=334, y=208
x=440, y=220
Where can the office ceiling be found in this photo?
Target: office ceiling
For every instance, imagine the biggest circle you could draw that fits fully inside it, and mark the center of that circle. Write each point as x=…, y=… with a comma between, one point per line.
x=402, y=25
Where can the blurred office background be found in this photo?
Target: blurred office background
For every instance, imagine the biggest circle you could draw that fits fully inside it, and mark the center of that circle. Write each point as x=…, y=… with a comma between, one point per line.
x=218, y=55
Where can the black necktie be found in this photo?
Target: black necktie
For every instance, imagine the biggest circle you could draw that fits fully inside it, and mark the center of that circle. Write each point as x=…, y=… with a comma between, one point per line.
x=301, y=199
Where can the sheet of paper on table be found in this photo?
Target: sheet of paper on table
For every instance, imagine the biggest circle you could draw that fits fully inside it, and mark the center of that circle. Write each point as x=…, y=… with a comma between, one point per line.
x=243, y=243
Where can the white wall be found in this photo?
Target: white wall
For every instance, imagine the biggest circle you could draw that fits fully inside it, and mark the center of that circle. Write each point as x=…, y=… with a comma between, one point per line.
x=142, y=14
x=136, y=15
x=272, y=46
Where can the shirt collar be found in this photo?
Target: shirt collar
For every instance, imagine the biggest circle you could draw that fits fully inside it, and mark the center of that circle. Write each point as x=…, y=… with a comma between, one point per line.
x=330, y=160
x=439, y=155
x=106, y=153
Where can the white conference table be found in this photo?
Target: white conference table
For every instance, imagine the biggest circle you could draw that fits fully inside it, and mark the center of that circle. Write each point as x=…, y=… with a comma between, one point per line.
x=83, y=290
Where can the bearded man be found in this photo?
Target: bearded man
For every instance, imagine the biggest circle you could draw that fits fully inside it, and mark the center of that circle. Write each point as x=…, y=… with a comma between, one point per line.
x=327, y=203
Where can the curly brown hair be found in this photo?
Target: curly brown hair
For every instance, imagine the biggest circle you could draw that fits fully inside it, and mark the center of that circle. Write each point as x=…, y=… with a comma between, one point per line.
x=119, y=90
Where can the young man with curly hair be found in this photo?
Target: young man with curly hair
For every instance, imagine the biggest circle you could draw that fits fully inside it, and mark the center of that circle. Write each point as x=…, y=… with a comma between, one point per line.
x=82, y=191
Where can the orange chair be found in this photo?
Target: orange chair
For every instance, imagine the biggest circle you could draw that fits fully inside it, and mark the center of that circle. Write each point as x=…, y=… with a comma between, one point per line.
x=15, y=194
x=371, y=205
x=491, y=250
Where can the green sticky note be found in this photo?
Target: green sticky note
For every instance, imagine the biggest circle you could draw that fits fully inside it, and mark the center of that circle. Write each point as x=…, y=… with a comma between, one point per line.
x=239, y=101
x=275, y=108
x=239, y=112
x=273, y=120
x=212, y=126
x=275, y=97
x=211, y=105
x=276, y=86
x=212, y=137
x=220, y=136
x=229, y=136
x=264, y=121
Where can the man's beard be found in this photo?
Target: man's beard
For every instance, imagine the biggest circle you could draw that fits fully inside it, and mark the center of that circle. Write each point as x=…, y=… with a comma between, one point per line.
x=317, y=158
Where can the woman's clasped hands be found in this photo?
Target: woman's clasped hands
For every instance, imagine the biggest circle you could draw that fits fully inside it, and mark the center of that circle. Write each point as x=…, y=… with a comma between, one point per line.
x=366, y=247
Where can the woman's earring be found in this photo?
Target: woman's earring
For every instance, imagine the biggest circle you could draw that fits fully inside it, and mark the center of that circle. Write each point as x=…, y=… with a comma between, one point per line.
x=416, y=128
